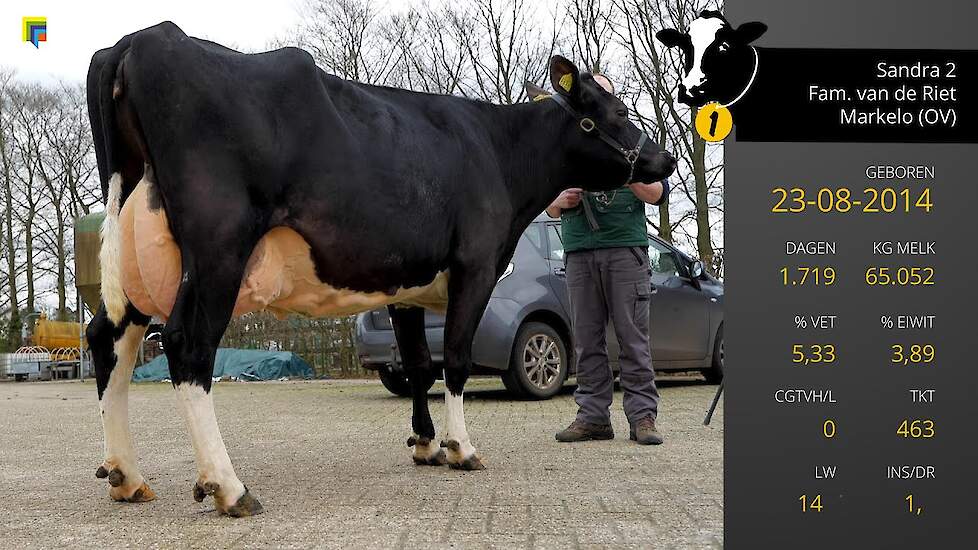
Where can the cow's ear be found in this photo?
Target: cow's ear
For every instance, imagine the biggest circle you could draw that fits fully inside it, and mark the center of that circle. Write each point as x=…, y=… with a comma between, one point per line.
x=564, y=76
x=670, y=38
x=534, y=92
x=749, y=32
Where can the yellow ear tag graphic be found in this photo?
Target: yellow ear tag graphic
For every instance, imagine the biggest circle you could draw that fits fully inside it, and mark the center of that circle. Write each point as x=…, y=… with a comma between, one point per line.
x=714, y=122
x=566, y=82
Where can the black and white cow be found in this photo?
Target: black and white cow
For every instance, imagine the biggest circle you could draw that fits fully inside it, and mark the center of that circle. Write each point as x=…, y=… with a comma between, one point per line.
x=719, y=62
x=234, y=182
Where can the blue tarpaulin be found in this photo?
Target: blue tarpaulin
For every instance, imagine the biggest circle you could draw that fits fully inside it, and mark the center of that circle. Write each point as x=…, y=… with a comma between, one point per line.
x=238, y=364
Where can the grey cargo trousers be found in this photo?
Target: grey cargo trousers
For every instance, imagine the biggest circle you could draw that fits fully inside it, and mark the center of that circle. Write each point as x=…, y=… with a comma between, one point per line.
x=611, y=283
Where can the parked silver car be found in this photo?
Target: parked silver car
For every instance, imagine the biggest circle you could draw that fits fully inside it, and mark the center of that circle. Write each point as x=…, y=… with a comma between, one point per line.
x=525, y=336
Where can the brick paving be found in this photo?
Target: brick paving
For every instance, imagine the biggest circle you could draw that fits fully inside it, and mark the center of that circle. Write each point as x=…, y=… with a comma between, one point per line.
x=328, y=462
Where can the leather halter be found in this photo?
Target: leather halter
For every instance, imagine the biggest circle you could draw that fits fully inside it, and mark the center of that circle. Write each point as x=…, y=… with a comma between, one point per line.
x=631, y=154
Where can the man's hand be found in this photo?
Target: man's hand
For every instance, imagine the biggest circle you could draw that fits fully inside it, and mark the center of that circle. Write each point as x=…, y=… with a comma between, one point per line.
x=647, y=192
x=566, y=200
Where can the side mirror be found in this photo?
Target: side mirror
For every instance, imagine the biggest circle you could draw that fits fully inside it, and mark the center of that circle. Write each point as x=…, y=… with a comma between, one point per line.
x=696, y=270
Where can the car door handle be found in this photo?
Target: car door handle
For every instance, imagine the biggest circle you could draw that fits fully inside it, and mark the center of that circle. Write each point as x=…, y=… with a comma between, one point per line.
x=560, y=271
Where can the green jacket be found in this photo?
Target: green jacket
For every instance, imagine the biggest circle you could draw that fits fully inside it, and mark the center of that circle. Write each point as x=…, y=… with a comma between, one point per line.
x=620, y=217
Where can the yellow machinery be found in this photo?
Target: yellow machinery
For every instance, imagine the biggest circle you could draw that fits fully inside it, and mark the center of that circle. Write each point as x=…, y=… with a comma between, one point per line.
x=57, y=334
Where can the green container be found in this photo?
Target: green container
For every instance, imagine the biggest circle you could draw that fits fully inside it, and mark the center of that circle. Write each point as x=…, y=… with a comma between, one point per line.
x=88, y=272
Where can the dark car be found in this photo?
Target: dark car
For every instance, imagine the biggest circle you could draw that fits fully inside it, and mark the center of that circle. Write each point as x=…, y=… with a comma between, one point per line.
x=525, y=335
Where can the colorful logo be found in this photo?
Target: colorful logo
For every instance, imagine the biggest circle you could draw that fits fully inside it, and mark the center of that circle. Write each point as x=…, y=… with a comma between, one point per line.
x=35, y=30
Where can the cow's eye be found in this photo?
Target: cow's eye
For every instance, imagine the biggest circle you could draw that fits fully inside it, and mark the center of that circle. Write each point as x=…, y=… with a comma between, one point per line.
x=622, y=113
x=724, y=46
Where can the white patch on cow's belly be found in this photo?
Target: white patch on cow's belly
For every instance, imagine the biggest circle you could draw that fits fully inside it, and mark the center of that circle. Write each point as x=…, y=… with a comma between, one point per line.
x=702, y=33
x=280, y=275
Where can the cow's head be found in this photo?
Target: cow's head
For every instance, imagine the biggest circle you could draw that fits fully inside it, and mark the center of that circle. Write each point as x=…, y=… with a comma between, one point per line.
x=718, y=60
x=608, y=149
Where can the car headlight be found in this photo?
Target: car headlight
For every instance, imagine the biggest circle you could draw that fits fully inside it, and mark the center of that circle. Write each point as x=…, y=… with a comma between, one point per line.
x=508, y=272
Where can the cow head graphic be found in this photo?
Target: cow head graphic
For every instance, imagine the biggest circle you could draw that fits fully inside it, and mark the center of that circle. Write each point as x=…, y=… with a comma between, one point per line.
x=719, y=63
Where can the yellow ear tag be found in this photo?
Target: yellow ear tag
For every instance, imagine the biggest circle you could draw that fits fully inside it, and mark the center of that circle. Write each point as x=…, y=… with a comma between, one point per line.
x=541, y=97
x=566, y=82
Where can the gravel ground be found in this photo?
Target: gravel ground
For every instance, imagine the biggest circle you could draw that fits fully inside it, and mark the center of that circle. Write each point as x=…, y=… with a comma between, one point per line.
x=329, y=464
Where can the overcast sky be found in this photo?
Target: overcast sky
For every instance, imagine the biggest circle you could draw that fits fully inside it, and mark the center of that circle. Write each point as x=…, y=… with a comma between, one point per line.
x=77, y=28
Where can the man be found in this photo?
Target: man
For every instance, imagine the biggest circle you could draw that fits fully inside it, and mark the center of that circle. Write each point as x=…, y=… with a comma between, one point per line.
x=607, y=265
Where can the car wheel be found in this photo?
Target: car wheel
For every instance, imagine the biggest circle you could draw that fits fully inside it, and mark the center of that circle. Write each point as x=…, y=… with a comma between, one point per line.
x=395, y=382
x=539, y=362
x=714, y=374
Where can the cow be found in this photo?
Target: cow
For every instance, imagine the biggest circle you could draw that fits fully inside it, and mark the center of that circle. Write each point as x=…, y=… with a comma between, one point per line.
x=238, y=182
x=719, y=63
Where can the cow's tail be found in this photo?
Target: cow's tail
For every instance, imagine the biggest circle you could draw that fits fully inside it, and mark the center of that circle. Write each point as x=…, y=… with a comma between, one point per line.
x=119, y=165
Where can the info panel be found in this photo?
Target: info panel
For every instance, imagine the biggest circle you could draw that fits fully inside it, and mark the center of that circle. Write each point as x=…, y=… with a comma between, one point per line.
x=850, y=208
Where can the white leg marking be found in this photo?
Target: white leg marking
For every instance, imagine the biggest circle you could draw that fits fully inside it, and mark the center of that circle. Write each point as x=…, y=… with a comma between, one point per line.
x=455, y=420
x=114, y=408
x=213, y=462
x=109, y=254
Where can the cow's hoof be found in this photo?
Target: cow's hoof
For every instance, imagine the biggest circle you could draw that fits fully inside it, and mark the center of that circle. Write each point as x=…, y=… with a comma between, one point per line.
x=246, y=506
x=469, y=463
x=425, y=453
x=438, y=459
x=120, y=490
x=459, y=460
x=142, y=494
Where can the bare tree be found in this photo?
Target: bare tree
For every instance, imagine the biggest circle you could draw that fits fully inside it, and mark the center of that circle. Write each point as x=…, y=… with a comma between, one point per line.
x=9, y=244
x=594, y=23
x=65, y=164
x=505, y=47
x=656, y=75
x=344, y=38
x=429, y=43
x=28, y=103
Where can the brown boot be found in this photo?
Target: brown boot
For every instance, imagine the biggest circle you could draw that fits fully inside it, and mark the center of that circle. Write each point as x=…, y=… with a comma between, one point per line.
x=644, y=432
x=585, y=431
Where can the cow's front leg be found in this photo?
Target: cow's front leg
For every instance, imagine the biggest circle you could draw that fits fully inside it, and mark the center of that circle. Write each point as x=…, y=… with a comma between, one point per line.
x=408, y=323
x=200, y=315
x=216, y=476
x=468, y=293
x=114, y=344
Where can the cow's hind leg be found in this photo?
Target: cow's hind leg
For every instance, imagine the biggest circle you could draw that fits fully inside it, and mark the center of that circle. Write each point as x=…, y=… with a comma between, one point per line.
x=408, y=326
x=200, y=315
x=114, y=344
x=114, y=336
